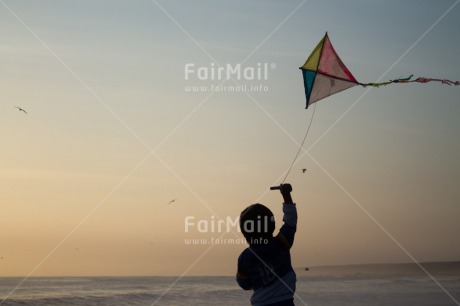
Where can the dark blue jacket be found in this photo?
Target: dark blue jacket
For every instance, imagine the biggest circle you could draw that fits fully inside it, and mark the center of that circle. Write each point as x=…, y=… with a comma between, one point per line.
x=266, y=267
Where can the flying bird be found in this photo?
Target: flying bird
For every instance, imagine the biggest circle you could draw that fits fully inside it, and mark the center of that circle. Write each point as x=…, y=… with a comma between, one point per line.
x=172, y=201
x=21, y=109
x=303, y=170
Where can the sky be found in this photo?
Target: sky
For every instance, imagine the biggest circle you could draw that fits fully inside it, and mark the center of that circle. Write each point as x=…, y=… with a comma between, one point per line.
x=126, y=112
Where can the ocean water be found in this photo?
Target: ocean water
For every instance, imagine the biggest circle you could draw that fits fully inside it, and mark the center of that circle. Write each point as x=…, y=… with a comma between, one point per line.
x=311, y=290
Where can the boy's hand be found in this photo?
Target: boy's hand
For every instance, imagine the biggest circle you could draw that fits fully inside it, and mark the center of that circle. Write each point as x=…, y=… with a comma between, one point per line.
x=286, y=190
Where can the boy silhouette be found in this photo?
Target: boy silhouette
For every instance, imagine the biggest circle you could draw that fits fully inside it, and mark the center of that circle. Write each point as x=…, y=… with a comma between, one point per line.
x=265, y=266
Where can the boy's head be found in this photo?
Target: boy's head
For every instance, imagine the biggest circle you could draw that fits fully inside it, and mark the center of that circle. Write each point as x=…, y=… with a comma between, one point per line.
x=257, y=222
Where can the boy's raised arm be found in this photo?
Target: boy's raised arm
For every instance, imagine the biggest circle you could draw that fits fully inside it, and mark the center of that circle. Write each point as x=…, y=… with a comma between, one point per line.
x=287, y=231
x=286, y=190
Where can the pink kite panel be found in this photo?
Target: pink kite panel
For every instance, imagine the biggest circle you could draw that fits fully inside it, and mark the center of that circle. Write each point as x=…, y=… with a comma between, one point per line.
x=331, y=64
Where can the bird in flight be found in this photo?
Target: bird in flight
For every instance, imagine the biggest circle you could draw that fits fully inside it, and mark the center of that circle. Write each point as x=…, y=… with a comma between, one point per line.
x=303, y=170
x=21, y=109
x=172, y=201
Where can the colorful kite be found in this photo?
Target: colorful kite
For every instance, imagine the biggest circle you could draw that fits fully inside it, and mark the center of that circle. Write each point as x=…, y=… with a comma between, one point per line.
x=325, y=74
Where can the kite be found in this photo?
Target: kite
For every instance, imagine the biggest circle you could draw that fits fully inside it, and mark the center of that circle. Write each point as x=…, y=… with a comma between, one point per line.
x=324, y=74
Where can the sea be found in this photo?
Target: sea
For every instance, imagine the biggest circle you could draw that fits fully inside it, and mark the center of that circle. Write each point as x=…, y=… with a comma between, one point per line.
x=314, y=287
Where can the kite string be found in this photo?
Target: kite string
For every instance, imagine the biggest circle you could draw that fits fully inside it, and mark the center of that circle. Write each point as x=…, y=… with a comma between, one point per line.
x=301, y=145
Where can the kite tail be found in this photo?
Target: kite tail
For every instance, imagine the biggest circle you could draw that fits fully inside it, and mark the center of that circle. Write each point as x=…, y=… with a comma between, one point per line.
x=401, y=80
x=408, y=80
x=443, y=81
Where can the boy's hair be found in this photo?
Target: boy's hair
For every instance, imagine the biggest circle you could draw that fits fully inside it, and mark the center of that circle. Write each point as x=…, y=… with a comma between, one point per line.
x=257, y=222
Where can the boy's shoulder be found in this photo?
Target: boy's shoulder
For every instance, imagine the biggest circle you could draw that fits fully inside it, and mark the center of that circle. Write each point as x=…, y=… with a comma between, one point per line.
x=260, y=250
x=245, y=252
x=248, y=255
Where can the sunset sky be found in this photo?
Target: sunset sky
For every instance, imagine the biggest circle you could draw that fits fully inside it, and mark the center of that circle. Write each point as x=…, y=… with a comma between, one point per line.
x=113, y=133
